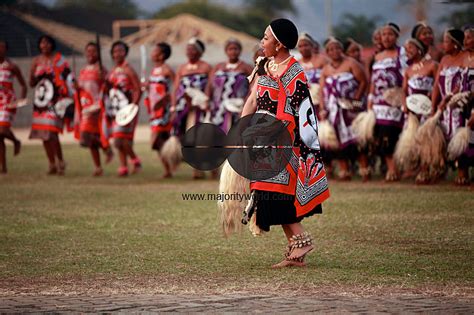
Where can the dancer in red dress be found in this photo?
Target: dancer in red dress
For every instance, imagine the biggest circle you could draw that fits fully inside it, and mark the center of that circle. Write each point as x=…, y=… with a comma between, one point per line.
x=158, y=100
x=50, y=76
x=89, y=107
x=8, y=72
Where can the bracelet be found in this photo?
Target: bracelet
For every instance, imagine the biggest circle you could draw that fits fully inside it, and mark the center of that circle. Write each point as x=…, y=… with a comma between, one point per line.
x=370, y=97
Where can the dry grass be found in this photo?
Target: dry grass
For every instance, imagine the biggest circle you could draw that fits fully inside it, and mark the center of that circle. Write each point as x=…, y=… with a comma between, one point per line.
x=79, y=234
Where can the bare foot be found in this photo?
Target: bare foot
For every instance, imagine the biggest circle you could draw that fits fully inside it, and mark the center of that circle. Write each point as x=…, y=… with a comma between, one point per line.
x=98, y=172
x=109, y=156
x=288, y=263
x=61, y=167
x=137, y=166
x=52, y=170
x=167, y=175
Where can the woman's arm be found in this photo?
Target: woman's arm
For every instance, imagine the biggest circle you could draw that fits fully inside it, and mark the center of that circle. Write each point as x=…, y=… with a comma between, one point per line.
x=17, y=73
x=32, y=72
x=322, y=81
x=136, y=89
x=435, y=94
x=359, y=75
x=250, y=105
x=405, y=91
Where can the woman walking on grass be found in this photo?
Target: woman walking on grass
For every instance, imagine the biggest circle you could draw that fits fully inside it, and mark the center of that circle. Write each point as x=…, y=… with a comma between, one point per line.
x=124, y=88
x=50, y=77
x=89, y=107
x=297, y=192
x=8, y=72
x=158, y=100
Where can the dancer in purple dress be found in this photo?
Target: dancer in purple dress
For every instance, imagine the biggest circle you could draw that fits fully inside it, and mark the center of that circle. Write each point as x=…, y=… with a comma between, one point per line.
x=228, y=83
x=418, y=79
x=193, y=74
x=469, y=64
x=343, y=78
x=452, y=79
x=387, y=73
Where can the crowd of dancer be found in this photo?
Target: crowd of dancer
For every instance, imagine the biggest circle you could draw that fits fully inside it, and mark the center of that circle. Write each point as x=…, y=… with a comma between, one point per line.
x=87, y=104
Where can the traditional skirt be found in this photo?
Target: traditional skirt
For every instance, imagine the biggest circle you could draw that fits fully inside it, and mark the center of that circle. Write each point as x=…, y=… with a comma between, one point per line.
x=42, y=134
x=273, y=208
x=158, y=139
x=90, y=139
x=6, y=117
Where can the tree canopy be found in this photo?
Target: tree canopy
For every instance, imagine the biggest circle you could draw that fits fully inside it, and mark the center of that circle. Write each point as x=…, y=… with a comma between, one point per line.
x=358, y=27
x=252, y=18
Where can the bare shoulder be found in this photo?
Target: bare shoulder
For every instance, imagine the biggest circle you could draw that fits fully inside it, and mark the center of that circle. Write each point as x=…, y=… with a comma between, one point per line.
x=247, y=68
x=167, y=69
x=320, y=61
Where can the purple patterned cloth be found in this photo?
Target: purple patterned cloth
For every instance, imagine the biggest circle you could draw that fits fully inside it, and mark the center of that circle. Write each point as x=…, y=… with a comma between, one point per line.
x=198, y=81
x=450, y=79
x=313, y=75
x=341, y=85
x=226, y=85
x=388, y=73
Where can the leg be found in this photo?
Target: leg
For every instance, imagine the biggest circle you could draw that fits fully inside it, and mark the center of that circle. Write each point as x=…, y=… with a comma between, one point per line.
x=8, y=134
x=50, y=155
x=96, y=158
x=123, y=169
x=59, y=154
x=109, y=154
x=137, y=164
x=344, y=173
x=392, y=173
x=3, y=156
x=302, y=241
x=167, y=168
x=423, y=176
x=364, y=169
x=462, y=178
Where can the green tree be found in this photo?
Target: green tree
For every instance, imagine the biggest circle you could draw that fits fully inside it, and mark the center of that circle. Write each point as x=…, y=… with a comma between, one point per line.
x=460, y=17
x=125, y=9
x=358, y=27
x=272, y=7
x=252, y=18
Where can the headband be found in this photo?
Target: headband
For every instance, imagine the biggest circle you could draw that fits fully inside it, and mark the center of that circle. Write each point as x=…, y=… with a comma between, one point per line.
x=197, y=43
x=305, y=36
x=393, y=27
x=457, y=41
x=332, y=40
x=418, y=44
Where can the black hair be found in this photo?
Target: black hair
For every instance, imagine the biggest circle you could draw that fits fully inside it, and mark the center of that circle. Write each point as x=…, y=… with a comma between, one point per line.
x=234, y=41
x=92, y=44
x=345, y=46
x=49, y=39
x=457, y=36
x=165, y=49
x=119, y=42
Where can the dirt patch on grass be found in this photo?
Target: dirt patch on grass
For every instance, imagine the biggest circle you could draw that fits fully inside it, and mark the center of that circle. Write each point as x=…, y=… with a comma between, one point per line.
x=75, y=285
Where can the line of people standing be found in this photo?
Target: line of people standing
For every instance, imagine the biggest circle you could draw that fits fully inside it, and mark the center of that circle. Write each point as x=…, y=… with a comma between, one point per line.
x=418, y=67
x=88, y=105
